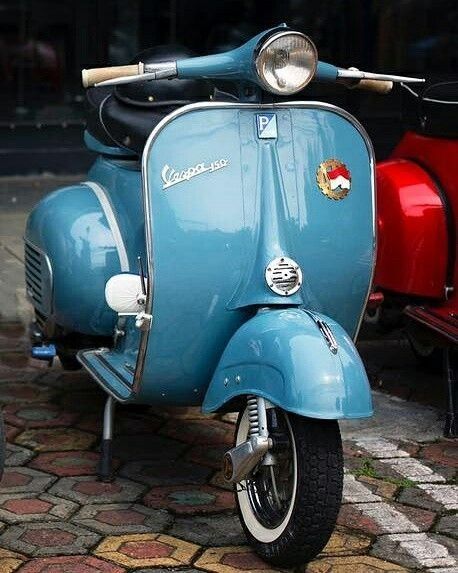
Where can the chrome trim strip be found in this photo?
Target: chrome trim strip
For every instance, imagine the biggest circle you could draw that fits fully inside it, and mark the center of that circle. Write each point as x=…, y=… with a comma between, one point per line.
x=146, y=199
x=108, y=211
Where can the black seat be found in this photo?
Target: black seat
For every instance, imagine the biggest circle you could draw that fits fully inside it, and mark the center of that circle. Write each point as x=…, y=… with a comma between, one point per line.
x=117, y=124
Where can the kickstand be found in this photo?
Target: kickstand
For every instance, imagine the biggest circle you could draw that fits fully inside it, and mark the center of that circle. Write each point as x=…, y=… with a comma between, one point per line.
x=451, y=379
x=105, y=469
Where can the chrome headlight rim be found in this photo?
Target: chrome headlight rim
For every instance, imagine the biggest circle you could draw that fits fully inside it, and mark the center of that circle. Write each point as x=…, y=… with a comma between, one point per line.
x=264, y=45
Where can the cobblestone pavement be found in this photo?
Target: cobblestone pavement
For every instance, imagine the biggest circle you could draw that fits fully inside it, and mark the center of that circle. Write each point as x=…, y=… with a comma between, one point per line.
x=169, y=508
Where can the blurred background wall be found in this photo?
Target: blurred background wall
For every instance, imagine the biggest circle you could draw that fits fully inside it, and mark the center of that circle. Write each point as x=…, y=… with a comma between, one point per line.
x=45, y=43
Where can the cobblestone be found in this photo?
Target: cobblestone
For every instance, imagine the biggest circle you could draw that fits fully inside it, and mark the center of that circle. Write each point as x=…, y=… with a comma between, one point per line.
x=24, y=507
x=67, y=464
x=354, y=564
x=11, y=432
x=38, y=416
x=344, y=542
x=414, y=470
x=209, y=530
x=418, y=498
x=190, y=499
x=380, y=487
x=381, y=448
x=146, y=550
x=232, y=560
x=356, y=492
x=378, y=518
x=10, y=561
x=24, y=392
x=122, y=518
x=56, y=439
x=160, y=570
x=445, y=495
x=70, y=564
x=169, y=507
x=17, y=455
x=86, y=490
x=162, y=473
x=20, y=479
x=448, y=525
x=445, y=452
x=414, y=550
x=52, y=538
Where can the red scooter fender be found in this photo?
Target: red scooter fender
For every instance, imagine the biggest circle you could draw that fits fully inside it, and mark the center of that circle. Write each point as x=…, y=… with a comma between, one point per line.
x=412, y=231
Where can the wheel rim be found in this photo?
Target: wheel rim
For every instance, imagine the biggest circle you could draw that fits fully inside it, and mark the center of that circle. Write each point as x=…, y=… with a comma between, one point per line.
x=266, y=512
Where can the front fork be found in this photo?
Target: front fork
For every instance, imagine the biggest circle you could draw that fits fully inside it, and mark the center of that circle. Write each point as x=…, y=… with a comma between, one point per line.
x=242, y=459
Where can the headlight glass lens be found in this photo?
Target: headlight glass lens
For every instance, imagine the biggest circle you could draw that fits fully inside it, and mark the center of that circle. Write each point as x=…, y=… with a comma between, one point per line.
x=286, y=62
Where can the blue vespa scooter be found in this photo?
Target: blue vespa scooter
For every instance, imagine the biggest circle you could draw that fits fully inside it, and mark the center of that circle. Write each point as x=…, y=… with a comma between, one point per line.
x=221, y=254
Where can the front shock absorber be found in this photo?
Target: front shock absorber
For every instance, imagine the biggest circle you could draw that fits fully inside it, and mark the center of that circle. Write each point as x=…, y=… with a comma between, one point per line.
x=257, y=416
x=240, y=461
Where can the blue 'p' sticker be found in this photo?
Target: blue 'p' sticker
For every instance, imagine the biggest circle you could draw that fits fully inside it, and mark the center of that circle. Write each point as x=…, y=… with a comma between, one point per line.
x=267, y=125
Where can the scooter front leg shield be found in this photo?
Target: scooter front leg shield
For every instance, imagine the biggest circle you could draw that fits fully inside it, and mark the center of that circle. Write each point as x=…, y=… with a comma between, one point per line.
x=301, y=361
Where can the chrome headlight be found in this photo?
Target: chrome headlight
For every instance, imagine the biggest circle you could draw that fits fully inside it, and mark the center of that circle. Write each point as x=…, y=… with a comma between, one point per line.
x=286, y=62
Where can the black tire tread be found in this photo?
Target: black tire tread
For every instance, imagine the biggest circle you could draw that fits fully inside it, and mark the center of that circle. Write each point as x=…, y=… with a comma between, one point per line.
x=318, y=498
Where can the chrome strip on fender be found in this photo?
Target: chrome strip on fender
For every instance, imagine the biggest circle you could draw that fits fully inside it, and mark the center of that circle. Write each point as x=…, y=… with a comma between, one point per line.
x=107, y=209
x=147, y=200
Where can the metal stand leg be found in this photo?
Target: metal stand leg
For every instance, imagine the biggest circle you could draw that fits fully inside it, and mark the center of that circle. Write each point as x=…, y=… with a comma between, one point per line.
x=106, y=447
x=451, y=379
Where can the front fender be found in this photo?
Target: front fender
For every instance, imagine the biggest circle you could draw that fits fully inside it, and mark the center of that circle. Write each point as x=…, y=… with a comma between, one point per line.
x=283, y=356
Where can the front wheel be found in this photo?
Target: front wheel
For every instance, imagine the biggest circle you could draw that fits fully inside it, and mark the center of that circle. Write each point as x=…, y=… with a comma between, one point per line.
x=430, y=356
x=289, y=503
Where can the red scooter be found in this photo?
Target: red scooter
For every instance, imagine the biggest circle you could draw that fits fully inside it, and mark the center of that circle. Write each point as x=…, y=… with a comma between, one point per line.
x=417, y=201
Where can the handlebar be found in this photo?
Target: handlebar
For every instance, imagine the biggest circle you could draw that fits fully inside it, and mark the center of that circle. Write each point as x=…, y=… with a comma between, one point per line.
x=378, y=86
x=98, y=75
x=223, y=67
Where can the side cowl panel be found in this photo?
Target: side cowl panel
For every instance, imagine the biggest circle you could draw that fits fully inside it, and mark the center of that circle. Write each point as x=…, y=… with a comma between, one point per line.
x=69, y=227
x=284, y=356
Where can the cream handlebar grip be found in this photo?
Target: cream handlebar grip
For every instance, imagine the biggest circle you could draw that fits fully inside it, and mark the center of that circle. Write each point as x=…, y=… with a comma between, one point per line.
x=378, y=86
x=97, y=75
